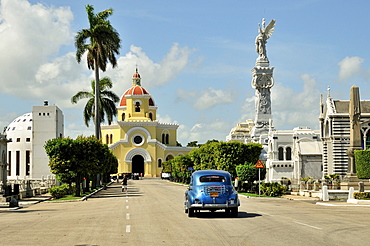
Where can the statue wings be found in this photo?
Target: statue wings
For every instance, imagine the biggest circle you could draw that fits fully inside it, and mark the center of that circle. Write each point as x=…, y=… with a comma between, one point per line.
x=269, y=29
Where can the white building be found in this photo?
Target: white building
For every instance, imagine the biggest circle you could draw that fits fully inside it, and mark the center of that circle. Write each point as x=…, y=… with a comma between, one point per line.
x=335, y=133
x=294, y=154
x=27, y=135
x=3, y=164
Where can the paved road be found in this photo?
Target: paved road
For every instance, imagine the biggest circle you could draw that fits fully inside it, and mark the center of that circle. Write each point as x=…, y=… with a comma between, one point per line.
x=151, y=213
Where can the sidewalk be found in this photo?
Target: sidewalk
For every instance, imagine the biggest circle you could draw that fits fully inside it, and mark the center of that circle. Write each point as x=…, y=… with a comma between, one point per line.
x=353, y=203
x=26, y=201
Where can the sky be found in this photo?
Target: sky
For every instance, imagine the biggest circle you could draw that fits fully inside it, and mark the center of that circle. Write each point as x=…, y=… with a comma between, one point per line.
x=194, y=58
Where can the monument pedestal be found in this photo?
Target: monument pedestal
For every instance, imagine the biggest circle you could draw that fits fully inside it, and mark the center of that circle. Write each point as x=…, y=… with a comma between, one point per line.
x=351, y=180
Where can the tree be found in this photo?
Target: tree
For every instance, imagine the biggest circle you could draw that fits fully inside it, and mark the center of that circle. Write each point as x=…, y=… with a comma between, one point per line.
x=224, y=155
x=104, y=45
x=79, y=158
x=107, y=100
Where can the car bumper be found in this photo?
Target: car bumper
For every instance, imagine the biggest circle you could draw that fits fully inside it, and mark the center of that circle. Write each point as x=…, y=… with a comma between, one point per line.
x=213, y=206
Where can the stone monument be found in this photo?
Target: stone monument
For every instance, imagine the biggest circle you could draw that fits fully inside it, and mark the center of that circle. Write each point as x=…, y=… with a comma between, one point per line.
x=262, y=81
x=355, y=129
x=351, y=180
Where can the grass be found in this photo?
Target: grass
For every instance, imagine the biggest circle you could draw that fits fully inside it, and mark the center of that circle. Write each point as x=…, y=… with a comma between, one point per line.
x=255, y=195
x=68, y=197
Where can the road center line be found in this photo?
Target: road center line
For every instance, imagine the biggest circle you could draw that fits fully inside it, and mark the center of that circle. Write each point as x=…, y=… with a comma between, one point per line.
x=126, y=200
x=127, y=207
x=128, y=228
x=127, y=216
x=318, y=228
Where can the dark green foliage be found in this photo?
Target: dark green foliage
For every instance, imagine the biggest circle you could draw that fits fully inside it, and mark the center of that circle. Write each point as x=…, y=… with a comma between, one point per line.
x=273, y=189
x=192, y=144
x=60, y=191
x=361, y=195
x=71, y=160
x=224, y=155
x=107, y=100
x=180, y=168
x=249, y=173
x=213, y=155
x=362, y=158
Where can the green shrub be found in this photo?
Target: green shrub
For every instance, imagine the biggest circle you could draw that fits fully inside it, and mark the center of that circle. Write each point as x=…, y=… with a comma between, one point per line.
x=362, y=158
x=273, y=189
x=361, y=195
x=60, y=191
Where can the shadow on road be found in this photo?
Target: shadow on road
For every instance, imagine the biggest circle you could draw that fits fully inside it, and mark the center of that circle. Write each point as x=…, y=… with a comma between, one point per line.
x=221, y=214
x=116, y=191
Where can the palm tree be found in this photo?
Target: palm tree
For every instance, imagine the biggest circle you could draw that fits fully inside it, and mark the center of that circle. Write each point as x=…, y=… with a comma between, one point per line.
x=107, y=102
x=104, y=45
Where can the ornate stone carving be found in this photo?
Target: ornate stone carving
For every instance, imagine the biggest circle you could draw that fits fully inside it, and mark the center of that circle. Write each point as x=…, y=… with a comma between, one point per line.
x=261, y=40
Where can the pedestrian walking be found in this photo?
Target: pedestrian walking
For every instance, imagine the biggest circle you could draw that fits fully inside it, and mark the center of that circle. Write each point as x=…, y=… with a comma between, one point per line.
x=124, y=183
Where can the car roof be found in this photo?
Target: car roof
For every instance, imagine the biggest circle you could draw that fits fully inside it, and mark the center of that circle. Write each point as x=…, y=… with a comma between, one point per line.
x=210, y=172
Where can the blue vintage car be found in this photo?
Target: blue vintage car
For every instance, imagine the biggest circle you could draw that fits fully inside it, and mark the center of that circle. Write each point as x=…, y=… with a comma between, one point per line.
x=211, y=190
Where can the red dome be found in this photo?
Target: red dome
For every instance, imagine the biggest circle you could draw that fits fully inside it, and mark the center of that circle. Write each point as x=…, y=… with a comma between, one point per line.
x=136, y=76
x=135, y=90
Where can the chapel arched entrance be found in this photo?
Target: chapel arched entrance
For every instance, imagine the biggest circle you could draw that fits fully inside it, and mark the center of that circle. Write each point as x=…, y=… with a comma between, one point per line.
x=138, y=164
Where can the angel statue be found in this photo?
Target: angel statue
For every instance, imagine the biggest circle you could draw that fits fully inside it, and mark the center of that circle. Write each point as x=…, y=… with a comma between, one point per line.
x=264, y=34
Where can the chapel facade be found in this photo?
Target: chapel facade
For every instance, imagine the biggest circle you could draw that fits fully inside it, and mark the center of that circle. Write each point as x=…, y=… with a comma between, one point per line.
x=141, y=143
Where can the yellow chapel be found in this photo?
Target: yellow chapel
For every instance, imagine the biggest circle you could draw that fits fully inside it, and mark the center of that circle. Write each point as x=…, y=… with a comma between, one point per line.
x=141, y=143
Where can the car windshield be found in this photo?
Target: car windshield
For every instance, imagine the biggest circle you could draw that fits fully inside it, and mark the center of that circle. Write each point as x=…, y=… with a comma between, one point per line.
x=212, y=178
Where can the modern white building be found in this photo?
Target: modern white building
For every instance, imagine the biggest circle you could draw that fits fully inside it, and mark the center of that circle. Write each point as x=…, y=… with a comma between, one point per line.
x=3, y=164
x=27, y=135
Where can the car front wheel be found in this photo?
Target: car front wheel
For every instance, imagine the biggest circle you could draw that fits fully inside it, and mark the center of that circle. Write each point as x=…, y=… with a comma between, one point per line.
x=191, y=212
x=234, y=212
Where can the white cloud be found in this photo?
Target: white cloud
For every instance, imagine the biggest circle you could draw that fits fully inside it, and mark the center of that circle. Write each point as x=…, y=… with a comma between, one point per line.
x=349, y=67
x=291, y=108
x=29, y=35
x=152, y=73
x=206, y=98
x=201, y=131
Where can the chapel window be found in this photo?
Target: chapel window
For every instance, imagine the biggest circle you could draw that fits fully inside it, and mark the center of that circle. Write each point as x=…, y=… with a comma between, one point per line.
x=288, y=154
x=281, y=154
x=123, y=116
x=137, y=107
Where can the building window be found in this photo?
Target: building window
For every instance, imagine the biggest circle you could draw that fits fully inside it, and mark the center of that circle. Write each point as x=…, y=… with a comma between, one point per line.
x=18, y=140
x=137, y=139
x=28, y=164
x=9, y=163
x=111, y=139
x=163, y=138
x=29, y=128
x=17, y=163
x=281, y=154
x=159, y=163
x=167, y=139
x=107, y=139
x=123, y=116
x=28, y=139
x=288, y=154
x=137, y=107
x=151, y=116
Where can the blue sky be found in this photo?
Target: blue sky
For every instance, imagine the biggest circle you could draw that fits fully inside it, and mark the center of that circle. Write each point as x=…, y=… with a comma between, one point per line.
x=194, y=57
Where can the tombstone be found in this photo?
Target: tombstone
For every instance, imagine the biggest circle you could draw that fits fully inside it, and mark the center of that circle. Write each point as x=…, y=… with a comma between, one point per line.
x=13, y=202
x=361, y=186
